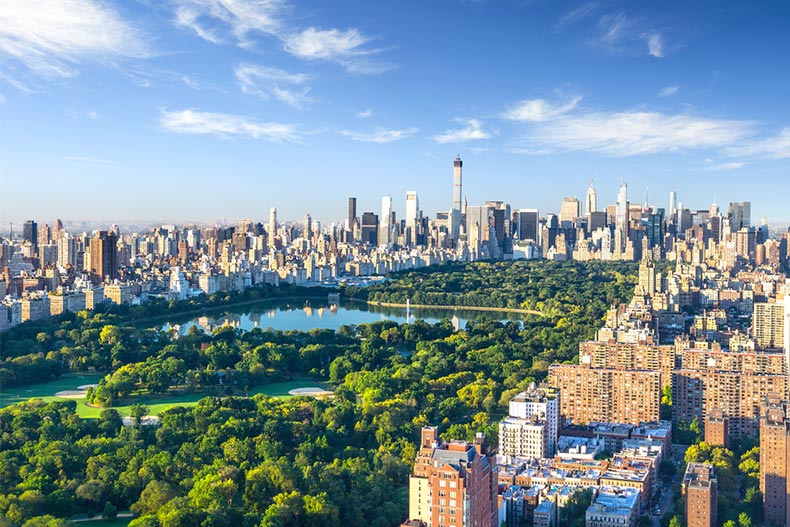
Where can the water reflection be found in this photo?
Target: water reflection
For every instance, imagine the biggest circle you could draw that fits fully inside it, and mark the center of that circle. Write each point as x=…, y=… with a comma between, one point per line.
x=306, y=316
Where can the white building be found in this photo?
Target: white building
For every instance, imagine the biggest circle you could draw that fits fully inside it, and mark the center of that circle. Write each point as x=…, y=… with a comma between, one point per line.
x=523, y=438
x=613, y=507
x=544, y=403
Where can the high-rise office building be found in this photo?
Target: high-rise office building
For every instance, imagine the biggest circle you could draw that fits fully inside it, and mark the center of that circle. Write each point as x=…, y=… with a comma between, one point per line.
x=740, y=215
x=30, y=232
x=412, y=209
x=621, y=212
x=272, y=230
x=370, y=228
x=352, y=213
x=527, y=223
x=104, y=256
x=591, y=200
x=775, y=460
x=453, y=484
x=673, y=200
x=308, y=226
x=700, y=490
x=570, y=210
x=385, y=225
x=455, y=212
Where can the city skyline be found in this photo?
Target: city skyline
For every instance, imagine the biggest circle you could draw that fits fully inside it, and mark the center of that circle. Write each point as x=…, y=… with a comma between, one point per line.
x=298, y=107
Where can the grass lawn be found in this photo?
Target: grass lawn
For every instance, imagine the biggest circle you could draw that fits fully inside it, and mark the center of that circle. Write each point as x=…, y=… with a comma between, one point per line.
x=155, y=403
x=70, y=381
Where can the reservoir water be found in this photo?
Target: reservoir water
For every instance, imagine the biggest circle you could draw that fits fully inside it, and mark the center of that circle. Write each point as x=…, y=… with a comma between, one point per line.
x=316, y=314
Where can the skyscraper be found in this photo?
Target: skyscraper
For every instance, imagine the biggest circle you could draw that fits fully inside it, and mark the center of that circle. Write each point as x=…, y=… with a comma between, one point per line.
x=591, y=200
x=457, y=201
x=740, y=215
x=571, y=209
x=621, y=212
x=385, y=225
x=673, y=199
x=369, y=228
x=308, y=226
x=352, y=213
x=104, y=256
x=412, y=209
x=527, y=224
x=272, y=225
x=30, y=232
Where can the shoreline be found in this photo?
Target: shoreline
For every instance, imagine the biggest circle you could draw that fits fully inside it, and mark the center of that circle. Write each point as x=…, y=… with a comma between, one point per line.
x=458, y=308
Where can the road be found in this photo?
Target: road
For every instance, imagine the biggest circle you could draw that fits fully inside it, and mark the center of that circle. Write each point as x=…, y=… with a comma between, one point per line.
x=666, y=504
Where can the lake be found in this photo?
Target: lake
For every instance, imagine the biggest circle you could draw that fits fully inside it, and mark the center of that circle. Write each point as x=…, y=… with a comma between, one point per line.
x=316, y=314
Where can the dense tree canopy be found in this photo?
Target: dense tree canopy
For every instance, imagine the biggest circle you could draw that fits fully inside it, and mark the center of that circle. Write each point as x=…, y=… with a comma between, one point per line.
x=234, y=460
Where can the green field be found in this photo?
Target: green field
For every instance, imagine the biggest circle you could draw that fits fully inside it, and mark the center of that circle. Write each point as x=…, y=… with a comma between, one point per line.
x=45, y=389
x=156, y=404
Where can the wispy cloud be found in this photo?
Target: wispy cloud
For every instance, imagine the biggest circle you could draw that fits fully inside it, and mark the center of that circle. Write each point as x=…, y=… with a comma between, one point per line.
x=218, y=21
x=50, y=38
x=380, y=135
x=211, y=19
x=93, y=161
x=348, y=48
x=364, y=114
x=618, y=32
x=226, y=126
x=669, y=91
x=577, y=15
x=776, y=147
x=721, y=167
x=472, y=131
x=267, y=82
x=655, y=44
x=621, y=134
x=539, y=110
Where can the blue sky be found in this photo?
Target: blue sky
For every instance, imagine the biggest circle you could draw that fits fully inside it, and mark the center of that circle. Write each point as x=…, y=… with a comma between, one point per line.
x=197, y=110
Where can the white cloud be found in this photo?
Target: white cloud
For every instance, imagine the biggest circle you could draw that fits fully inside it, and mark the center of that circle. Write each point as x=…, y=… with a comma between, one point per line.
x=576, y=15
x=619, y=32
x=226, y=125
x=347, y=48
x=214, y=20
x=380, y=135
x=668, y=91
x=538, y=110
x=777, y=147
x=632, y=133
x=364, y=114
x=473, y=130
x=209, y=19
x=734, y=165
x=49, y=38
x=655, y=45
x=265, y=82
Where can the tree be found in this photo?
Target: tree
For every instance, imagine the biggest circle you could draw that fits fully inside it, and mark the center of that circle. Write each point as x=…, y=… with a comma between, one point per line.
x=744, y=520
x=46, y=521
x=153, y=497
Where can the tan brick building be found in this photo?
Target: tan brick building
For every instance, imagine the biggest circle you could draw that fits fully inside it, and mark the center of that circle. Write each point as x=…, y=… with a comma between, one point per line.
x=700, y=490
